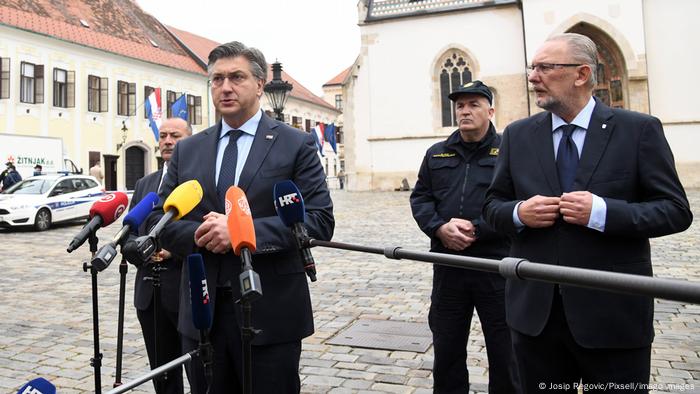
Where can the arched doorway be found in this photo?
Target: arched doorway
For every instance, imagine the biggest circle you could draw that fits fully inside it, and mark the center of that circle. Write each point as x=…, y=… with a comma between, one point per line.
x=612, y=87
x=135, y=166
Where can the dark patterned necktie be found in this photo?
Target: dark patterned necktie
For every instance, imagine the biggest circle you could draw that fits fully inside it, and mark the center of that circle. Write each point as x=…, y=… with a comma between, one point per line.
x=227, y=172
x=567, y=158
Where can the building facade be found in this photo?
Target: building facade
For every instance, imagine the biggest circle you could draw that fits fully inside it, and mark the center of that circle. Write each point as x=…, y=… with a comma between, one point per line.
x=414, y=52
x=70, y=74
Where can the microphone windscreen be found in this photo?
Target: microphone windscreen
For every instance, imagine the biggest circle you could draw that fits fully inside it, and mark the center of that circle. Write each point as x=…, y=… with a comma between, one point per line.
x=199, y=292
x=289, y=203
x=138, y=214
x=240, y=220
x=109, y=207
x=38, y=386
x=184, y=198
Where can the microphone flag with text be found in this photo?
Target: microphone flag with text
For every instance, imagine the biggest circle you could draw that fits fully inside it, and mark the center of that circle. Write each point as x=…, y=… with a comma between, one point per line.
x=131, y=221
x=289, y=204
x=179, y=203
x=201, y=310
x=37, y=386
x=102, y=213
x=242, y=234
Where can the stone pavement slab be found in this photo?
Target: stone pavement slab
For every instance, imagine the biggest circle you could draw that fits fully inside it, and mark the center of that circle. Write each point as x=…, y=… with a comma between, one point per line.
x=46, y=310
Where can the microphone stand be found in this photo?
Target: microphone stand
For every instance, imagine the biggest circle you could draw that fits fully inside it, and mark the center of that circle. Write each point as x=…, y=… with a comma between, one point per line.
x=123, y=269
x=96, y=360
x=155, y=281
x=250, y=291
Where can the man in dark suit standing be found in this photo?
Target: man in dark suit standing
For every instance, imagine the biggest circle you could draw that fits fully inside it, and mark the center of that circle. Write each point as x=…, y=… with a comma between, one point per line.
x=248, y=149
x=582, y=185
x=160, y=329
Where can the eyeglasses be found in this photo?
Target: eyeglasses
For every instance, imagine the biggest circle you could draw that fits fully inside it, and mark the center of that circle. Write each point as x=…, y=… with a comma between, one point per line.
x=544, y=68
x=235, y=78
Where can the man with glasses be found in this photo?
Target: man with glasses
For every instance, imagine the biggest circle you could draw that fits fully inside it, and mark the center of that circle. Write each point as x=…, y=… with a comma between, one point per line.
x=582, y=185
x=252, y=151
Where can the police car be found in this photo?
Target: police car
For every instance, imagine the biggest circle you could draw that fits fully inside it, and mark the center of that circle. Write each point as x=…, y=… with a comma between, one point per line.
x=42, y=200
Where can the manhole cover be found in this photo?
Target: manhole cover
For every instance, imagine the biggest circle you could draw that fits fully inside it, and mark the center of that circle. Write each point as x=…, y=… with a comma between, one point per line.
x=385, y=334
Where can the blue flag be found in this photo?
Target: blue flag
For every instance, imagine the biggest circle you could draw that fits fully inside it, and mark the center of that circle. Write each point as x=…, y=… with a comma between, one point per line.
x=330, y=137
x=315, y=133
x=179, y=108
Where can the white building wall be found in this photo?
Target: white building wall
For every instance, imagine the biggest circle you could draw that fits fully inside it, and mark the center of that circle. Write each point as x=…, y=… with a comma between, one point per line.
x=84, y=131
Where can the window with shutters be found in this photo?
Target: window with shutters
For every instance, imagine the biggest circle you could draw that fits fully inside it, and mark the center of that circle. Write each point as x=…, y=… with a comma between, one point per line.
x=98, y=94
x=170, y=99
x=63, y=88
x=126, y=98
x=4, y=77
x=194, y=109
x=31, y=83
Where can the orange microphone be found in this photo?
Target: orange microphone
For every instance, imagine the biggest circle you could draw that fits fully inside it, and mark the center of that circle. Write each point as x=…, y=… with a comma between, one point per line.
x=242, y=234
x=240, y=221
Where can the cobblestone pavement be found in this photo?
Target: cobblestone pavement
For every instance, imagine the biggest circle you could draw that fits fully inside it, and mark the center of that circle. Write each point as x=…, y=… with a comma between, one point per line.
x=46, y=310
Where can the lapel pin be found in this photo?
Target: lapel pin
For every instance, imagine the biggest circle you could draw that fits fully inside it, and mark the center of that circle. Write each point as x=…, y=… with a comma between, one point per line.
x=268, y=136
x=604, y=125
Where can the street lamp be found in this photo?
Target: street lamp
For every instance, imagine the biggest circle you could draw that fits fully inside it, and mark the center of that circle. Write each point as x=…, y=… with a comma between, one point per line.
x=277, y=90
x=123, y=136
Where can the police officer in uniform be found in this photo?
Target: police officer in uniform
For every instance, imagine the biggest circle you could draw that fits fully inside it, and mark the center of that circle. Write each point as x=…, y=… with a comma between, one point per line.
x=446, y=203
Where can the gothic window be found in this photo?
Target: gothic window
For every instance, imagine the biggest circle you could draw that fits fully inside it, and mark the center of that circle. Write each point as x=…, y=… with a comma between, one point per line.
x=454, y=70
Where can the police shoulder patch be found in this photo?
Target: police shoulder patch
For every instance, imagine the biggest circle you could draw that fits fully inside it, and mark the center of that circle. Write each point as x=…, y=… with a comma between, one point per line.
x=445, y=155
x=493, y=152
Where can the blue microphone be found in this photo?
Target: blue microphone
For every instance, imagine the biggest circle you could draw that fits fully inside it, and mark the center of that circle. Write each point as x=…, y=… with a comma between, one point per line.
x=290, y=208
x=199, y=293
x=201, y=311
x=132, y=221
x=38, y=386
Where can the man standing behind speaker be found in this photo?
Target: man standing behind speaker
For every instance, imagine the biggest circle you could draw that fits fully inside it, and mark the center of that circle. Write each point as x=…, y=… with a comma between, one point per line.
x=164, y=325
x=582, y=185
x=446, y=204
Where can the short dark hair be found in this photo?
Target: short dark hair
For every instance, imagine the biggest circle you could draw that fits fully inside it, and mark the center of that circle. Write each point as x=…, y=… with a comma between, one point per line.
x=258, y=65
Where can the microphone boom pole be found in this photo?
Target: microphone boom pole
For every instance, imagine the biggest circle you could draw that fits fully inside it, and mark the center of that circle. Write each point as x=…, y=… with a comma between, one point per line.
x=517, y=268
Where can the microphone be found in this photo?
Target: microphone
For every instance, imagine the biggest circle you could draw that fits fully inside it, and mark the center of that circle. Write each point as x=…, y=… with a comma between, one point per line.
x=178, y=204
x=242, y=234
x=131, y=221
x=290, y=208
x=38, y=386
x=102, y=213
x=201, y=310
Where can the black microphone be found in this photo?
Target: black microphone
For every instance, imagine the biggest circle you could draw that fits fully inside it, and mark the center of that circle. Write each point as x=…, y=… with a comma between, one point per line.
x=201, y=311
x=290, y=208
x=102, y=213
x=132, y=221
x=178, y=204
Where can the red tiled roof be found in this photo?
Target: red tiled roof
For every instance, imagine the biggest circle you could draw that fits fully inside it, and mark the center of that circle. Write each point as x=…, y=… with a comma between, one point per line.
x=202, y=46
x=116, y=26
x=338, y=79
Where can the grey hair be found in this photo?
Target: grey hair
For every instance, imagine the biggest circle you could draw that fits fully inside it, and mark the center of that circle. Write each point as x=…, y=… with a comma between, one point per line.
x=258, y=65
x=583, y=50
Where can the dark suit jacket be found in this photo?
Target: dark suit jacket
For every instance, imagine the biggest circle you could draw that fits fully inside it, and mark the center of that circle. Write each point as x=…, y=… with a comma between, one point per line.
x=626, y=161
x=170, y=278
x=278, y=153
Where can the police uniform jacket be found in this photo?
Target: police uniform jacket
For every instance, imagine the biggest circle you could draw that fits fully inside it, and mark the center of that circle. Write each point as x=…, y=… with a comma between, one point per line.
x=452, y=183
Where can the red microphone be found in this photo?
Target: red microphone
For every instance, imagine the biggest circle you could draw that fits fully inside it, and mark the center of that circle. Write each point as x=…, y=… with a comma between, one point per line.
x=102, y=213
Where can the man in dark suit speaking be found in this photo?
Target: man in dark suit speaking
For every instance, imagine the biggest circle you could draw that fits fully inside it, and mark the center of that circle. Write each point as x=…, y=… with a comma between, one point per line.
x=248, y=149
x=582, y=185
x=159, y=324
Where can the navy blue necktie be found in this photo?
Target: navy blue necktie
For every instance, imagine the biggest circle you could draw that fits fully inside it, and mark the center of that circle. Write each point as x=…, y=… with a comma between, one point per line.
x=227, y=172
x=567, y=158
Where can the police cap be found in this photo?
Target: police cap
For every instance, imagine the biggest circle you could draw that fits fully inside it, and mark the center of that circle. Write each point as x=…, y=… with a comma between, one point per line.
x=473, y=87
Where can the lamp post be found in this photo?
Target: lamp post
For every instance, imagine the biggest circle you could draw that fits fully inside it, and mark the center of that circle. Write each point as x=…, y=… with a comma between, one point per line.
x=277, y=90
